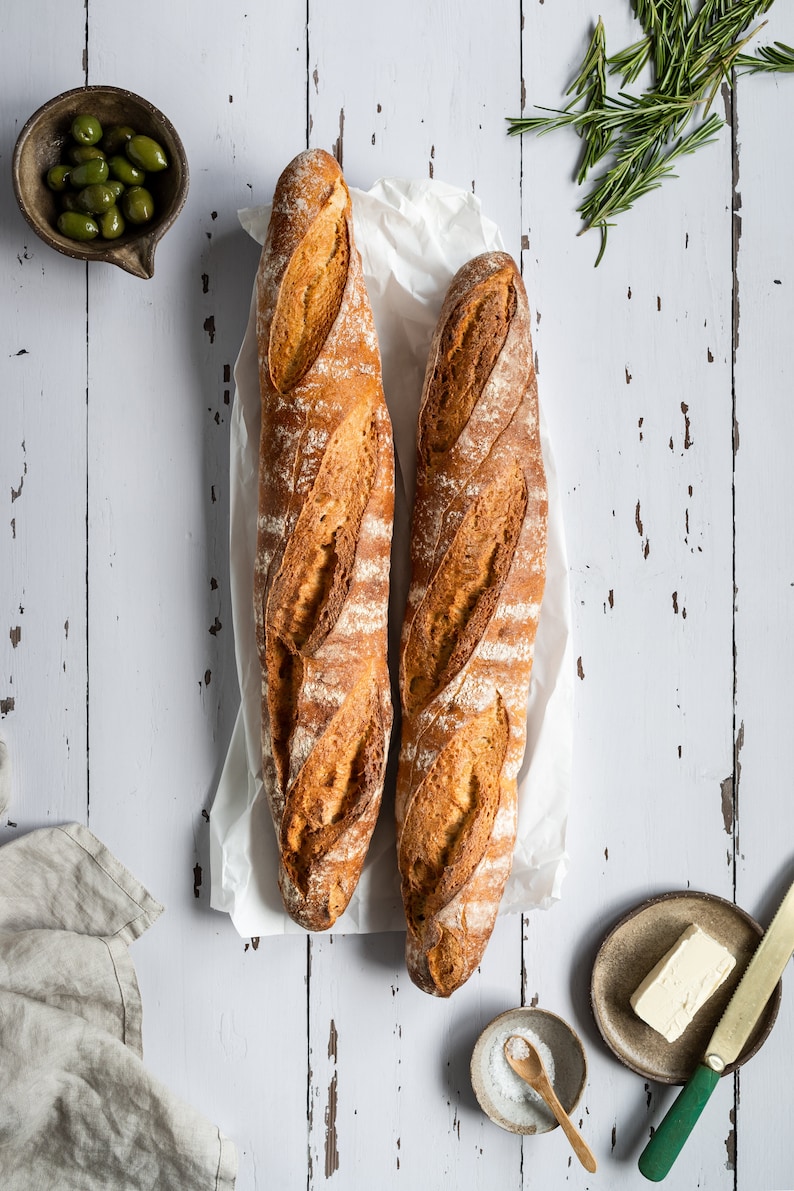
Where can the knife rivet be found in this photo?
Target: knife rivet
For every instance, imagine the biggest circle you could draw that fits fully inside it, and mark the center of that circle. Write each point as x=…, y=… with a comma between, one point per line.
x=715, y=1062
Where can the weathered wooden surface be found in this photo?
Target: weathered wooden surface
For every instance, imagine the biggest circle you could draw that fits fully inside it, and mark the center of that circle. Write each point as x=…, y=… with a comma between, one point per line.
x=664, y=375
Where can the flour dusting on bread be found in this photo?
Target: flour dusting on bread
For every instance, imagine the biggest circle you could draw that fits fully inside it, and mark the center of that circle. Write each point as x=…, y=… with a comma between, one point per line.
x=478, y=547
x=321, y=581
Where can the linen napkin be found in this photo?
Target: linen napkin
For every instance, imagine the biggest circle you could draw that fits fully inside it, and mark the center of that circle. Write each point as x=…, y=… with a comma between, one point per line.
x=5, y=777
x=78, y=1110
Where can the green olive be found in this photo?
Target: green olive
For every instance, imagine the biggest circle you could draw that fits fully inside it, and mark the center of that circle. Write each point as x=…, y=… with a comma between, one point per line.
x=117, y=187
x=77, y=154
x=122, y=168
x=111, y=223
x=145, y=152
x=76, y=226
x=89, y=172
x=137, y=204
x=95, y=199
x=58, y=177
x=69, y=201
x=86, y=130
x=99, y=179
x=116, y=137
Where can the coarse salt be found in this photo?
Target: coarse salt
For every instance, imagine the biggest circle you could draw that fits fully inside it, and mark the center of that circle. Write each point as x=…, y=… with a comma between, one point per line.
x=504, y=1080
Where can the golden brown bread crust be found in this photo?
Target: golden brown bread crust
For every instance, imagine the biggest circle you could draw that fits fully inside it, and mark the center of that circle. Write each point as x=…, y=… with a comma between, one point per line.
x=326, y=497
x=478, y=550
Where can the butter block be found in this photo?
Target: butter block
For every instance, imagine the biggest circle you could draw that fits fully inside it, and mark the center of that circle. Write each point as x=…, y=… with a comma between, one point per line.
x=681, y=983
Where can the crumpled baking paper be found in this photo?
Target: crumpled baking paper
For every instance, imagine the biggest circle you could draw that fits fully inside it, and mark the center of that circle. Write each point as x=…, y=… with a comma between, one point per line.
x=413, y=237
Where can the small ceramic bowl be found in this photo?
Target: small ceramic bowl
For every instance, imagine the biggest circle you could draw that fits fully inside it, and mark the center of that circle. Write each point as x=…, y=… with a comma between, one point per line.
x=629, y=952
x=41, y=144
x=503, y=1096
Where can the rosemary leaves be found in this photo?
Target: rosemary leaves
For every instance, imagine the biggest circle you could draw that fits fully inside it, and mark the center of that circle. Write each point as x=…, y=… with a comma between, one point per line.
x=690, y=50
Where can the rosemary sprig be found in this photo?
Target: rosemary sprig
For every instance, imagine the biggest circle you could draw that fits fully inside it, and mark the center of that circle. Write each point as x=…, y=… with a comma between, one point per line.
x=638, y=170
x=631, y=62
x=591, y=79
x=692, y=49
x=590, y=86
x=664, y=24
x=778, y=56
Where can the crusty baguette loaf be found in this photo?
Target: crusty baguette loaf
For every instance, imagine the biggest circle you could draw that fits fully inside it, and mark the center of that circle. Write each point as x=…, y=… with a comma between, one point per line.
x=478, y=546
x=326, y=497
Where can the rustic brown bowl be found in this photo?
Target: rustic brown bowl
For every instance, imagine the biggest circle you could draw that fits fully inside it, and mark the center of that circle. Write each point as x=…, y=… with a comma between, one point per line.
x=41, y=145
x=634, y=945
x=511, y=1105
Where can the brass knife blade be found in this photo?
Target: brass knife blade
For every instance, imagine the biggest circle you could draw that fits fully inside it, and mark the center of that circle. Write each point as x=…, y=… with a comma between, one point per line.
x=754, y=989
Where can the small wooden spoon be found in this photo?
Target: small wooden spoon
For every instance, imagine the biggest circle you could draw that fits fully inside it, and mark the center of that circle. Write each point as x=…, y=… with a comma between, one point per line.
x=526, y=1062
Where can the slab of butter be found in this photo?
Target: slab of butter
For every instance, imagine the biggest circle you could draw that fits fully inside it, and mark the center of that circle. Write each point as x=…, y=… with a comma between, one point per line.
x=682, y=982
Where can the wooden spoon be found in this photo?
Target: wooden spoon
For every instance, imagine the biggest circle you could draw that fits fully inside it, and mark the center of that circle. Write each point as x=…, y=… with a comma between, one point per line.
x=526, y=1062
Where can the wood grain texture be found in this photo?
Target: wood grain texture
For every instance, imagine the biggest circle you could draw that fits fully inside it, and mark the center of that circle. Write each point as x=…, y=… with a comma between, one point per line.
x=42, y=452
x=667, y=392
x=163, y=685
x=764, y=554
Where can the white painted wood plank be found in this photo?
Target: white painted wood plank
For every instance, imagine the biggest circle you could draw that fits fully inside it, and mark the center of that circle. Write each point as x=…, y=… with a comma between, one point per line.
x=764, y=577
x=419, y=90
x=391, y=1092
x=42, y=458
x=225, y=1020
x=411, y=91
x=622, y=349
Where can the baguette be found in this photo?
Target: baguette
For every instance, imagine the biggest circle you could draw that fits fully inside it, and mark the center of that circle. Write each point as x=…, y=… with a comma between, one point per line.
x=325, y=511
x=478, y=546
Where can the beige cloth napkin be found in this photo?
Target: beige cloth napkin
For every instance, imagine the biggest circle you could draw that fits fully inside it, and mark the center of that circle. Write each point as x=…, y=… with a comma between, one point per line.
x=78, y=1110
x=5, y=777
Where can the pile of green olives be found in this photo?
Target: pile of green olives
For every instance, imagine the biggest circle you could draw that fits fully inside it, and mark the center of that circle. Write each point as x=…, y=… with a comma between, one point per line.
x=101, y=186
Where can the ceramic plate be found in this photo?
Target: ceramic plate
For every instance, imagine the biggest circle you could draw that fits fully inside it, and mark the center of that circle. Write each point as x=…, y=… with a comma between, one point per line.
x=503, y=1095
x=627, y=955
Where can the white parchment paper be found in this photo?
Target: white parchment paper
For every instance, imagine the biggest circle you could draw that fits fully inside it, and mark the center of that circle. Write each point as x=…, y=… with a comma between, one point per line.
x=413, y=237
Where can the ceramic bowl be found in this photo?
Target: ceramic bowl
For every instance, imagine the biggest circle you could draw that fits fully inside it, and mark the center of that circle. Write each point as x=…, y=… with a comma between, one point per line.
x=503, y=1096
x=40, y=145
x=629, y=952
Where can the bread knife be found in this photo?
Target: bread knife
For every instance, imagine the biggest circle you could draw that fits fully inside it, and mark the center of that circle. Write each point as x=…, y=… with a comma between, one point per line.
x=726, y=1043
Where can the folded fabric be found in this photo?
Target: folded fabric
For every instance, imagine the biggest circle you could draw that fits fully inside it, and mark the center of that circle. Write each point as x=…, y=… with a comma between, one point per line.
x=5, y=777
x=78, y=1110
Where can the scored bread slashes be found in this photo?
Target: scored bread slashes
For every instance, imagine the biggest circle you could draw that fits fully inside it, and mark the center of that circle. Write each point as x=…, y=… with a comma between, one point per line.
x=325, y=513
x=478, y=550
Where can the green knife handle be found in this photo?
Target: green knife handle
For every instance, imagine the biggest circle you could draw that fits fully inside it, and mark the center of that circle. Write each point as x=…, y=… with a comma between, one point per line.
x=668, y=1140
